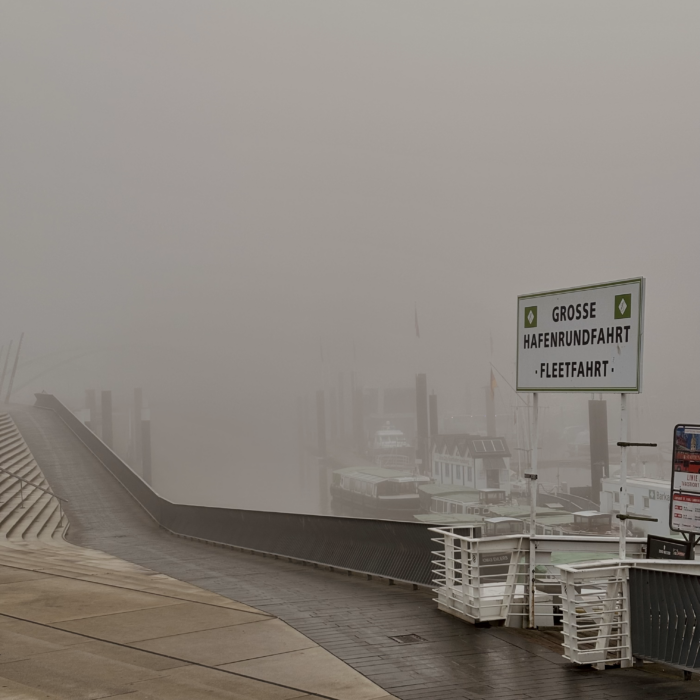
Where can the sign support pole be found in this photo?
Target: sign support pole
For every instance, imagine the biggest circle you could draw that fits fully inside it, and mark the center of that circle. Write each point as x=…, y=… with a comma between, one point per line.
x=624, y=437
x=533, y=507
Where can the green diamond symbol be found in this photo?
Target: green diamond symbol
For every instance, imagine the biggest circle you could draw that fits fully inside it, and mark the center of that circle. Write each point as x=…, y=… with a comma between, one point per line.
x=530, y=317
x=623, y=306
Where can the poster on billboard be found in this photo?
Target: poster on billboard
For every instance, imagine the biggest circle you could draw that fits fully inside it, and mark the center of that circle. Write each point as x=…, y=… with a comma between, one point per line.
x=582, y=339
x=685, y=485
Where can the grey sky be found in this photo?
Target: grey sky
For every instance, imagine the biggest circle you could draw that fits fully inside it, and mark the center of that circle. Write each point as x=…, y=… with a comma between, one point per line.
x=208, y=188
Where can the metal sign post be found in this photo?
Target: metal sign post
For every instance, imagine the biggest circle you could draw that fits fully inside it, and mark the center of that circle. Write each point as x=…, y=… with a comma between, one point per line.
x=624, y=437
x=532, y=476
x=582, y=339
x=623, y=516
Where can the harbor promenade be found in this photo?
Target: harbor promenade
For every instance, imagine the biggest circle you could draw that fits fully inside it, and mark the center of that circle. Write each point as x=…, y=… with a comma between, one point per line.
x=77, y=623
x=354, y=620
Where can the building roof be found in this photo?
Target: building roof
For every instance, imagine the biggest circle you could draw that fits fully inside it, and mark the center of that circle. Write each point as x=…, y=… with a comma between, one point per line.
x=440, y=489
x=449, y=518
x=460, y=497
x=379, y=474
x=639, y=481
x=476, y=446
x=560, y=519
x=523, y=512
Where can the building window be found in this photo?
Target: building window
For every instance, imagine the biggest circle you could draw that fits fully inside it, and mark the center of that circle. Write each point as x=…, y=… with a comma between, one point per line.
x=447, y=469
x=470, y=475
x=436, y=468
x=458, y=475
x=616, y=497
x=646, y=502
x=630, y=498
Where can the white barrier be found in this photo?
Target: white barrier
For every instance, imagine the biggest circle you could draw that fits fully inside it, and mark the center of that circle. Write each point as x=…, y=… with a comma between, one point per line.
x=486, y=579
x=596, y=609
x=595, y=613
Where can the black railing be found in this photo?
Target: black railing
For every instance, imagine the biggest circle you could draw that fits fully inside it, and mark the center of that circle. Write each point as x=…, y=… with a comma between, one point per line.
x=400, y=551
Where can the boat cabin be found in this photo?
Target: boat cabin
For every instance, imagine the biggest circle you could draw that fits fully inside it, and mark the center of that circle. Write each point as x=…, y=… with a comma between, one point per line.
x=492, y=496
x=592, y=521
x=495, y=527
x=372, y=487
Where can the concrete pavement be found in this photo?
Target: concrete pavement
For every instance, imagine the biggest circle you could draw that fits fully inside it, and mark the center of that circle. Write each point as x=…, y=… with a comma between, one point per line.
x=76, y=623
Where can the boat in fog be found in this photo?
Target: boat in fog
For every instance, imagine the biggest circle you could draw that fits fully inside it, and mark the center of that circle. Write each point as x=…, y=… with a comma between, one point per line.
x=376, y=492
x=391, y=449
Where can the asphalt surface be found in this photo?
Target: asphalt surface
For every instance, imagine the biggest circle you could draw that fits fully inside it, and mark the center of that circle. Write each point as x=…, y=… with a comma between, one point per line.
x=349, y=616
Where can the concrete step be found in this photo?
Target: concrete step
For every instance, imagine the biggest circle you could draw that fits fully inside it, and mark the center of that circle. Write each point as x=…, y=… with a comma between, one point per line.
x=18, y=513
x=53, y=529
x=29, y=526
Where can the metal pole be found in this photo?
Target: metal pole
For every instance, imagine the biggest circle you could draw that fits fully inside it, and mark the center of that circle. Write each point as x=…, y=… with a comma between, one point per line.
x=624, y=437
x=4, y=369
x=533, y=508
x=14, y=369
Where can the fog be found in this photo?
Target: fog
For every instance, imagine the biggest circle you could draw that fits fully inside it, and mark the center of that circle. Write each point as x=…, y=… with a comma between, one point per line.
x=227, y=203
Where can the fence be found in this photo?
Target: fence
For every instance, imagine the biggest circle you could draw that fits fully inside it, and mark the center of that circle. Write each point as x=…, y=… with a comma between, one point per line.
x=596, y=611
x=487, y=579
x=400, y=551
x=647, y=609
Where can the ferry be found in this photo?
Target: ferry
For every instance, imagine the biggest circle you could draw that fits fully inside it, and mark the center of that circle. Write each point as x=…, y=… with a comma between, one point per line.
x=391, y=449
x=377, y=491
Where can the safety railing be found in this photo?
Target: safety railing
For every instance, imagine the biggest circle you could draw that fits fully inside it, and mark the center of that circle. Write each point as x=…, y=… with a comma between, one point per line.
x=23, y=481
x=489, y=579
x=615, y=612
x=596, y=614
x=481, y=579
x=397, y=551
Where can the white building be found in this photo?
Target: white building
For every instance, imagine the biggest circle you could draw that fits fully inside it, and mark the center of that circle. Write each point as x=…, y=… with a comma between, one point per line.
x=650, y=497
x=471, y=461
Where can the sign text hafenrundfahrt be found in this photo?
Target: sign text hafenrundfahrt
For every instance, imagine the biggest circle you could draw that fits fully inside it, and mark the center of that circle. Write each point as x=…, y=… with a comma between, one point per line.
x=582, y=339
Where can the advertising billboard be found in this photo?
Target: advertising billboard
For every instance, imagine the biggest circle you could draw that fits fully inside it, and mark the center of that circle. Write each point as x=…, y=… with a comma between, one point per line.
x=685, y=484
x=582, y=339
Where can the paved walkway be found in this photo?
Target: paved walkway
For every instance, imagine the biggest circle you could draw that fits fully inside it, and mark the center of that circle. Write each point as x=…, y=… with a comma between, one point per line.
x=348, y=616
x=77, y=623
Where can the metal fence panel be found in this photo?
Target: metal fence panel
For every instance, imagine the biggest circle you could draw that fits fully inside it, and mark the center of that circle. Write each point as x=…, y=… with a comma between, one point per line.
x=392, y=549
x=666, y=609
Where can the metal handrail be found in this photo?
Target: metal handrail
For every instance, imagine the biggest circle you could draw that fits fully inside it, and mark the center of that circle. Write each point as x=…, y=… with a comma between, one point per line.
x=31, y=483
x=21, y=480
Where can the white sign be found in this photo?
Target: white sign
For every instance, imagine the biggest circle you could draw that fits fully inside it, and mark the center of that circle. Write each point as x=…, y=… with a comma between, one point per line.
x=683, y=481
x=582, y=339
x=685, y=513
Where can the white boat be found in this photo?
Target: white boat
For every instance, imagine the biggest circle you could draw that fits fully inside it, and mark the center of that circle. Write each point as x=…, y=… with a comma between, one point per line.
x=391, y=449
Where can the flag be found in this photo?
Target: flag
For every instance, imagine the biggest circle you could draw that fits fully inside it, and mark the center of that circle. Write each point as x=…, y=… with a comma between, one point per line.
x=417, y=328
x=493, y=385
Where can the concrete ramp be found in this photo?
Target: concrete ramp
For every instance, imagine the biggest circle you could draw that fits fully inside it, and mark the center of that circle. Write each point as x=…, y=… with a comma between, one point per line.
x=78, y=623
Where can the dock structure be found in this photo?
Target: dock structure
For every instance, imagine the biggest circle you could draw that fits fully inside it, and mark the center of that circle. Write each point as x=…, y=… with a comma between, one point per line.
x=336, y=636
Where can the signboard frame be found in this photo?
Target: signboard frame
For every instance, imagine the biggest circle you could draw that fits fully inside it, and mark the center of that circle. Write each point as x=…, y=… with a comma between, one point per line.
x=688, y=494
x=635, y=389
x=679, y=544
